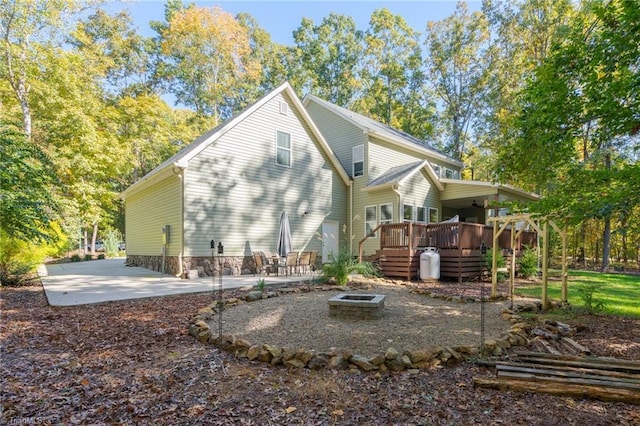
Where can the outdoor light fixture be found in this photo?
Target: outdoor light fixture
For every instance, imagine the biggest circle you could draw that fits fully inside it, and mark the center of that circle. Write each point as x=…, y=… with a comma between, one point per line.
x=305, y=213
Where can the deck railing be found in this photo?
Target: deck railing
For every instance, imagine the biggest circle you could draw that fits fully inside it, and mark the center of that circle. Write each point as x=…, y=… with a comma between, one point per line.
x=452, y=235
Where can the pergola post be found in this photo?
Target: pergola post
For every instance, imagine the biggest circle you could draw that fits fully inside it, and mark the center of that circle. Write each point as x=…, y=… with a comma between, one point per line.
x=545, y=256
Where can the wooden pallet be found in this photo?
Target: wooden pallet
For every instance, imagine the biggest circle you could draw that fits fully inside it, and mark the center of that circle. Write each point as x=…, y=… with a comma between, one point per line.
x=606, y=379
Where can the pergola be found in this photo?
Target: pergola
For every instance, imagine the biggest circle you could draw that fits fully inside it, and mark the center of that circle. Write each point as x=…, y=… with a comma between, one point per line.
x=541, y=225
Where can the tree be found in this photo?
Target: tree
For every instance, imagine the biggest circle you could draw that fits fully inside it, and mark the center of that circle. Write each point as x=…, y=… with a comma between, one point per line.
x=525, y=31
x=124, y=57
x=208, y=57
x=331, y=55
x=393, y=80
x=459, y=62
x=577, y=130
x=275, y=61
x=27, y=29
x=27, y=179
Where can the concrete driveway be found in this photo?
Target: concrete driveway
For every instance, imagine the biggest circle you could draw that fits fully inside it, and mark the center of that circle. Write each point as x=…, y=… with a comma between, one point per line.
x=79, y=283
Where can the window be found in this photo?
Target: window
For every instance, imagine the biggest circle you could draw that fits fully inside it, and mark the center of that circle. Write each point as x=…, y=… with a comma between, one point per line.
x=436, y=169
x=283, y=149
x=357, y=155
x=408, y=213
x=421, y=214
x=448, y=173
x=433, y=215
x=386, y=213
x=371, y=220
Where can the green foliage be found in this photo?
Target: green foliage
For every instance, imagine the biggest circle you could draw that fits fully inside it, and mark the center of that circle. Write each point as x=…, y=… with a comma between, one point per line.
x=345, y=264
x=528, y=263
x=110, y=241
x=330, y=54
x=261, y=284
x=501, y=261
x=459, y=64
x=18, y=259
x=592, y=304
x=88, y=257
x=76, y=258
x=26, y=182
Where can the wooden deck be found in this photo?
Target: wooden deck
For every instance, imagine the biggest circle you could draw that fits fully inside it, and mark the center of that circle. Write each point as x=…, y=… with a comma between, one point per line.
x=458, y=243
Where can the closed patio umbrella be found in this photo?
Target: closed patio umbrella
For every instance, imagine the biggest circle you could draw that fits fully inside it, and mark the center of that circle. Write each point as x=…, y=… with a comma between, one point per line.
x=284, y=236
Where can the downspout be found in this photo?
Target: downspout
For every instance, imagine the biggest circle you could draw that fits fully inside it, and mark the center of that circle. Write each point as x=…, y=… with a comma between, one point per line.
x=180, y=175
x=400, y=212
x=351, y=217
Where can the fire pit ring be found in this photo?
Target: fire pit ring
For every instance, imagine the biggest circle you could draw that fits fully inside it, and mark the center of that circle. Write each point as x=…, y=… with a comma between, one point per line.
x=357, y=306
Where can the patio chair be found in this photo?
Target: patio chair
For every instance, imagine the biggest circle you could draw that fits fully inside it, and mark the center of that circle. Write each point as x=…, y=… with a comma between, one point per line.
x=313, y=259
x=304, y=262
x=292, y=262
x=261, y=267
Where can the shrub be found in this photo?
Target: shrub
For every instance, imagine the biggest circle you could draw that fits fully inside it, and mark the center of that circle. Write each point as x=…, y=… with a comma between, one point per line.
x=591, y=304
x=88, y=257
x=528, y=263
x=76, y=258
x=502, y=263
x=18, y=260
x=261, y=284
x=101, y=256
x=340, y=267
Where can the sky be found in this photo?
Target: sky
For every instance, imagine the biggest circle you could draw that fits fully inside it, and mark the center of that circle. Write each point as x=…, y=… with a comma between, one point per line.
x=281, y=17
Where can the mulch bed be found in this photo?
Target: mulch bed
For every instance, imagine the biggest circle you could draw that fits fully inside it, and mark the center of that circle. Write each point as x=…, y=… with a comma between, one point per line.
x=132, y=362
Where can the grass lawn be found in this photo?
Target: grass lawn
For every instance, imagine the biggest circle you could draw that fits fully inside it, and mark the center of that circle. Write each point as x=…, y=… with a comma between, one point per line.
x=619, y=292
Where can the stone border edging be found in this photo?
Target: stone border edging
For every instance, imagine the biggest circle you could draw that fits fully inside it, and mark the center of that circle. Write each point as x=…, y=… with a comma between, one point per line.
x=392, y=359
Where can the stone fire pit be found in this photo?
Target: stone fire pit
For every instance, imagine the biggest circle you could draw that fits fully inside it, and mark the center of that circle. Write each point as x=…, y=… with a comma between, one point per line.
x=357, y=306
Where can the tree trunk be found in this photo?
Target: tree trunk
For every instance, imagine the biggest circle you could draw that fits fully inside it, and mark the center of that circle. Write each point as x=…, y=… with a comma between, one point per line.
x=94, y=235
x=606, y=244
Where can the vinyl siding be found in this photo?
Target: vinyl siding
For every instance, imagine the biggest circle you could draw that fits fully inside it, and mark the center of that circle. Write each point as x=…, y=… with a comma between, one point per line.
x=148, y=211
x=417, y=191
x=235, y=191
x=341, y=135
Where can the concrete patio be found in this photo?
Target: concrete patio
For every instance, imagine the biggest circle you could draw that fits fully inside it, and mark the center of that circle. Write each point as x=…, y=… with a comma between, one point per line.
x=105, y=280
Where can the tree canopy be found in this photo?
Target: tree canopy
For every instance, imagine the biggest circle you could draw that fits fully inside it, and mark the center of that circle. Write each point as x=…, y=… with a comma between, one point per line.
x=542, y=94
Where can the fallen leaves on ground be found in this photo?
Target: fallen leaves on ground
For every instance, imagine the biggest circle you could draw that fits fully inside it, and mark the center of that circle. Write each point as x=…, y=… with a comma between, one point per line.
x=132, y=362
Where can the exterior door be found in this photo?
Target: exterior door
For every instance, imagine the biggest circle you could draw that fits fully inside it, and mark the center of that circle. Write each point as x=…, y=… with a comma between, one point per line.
x=329, y=240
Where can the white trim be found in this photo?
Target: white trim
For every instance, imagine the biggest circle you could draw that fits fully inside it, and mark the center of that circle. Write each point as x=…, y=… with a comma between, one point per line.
x=425, y=209
x=429, y=215
x=290, y=149
x=413, y=213
x=380, y=221
x=366, y=232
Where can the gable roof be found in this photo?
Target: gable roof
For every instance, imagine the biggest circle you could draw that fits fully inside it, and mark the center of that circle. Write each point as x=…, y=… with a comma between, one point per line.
x=398, y=175
x=382, y=131
x=181, y=159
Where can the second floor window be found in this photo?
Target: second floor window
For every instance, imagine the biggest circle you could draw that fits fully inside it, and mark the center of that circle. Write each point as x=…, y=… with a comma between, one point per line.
x=283, y=149
x=357, y=154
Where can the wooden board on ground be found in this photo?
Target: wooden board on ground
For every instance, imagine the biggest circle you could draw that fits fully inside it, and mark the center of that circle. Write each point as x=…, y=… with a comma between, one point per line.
x=606, y=379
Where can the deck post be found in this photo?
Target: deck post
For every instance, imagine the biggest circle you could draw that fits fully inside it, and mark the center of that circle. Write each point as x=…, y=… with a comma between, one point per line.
x=410, y=251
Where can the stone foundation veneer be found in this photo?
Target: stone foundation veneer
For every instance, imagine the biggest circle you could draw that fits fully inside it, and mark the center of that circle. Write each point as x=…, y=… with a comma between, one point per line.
x=231, y=265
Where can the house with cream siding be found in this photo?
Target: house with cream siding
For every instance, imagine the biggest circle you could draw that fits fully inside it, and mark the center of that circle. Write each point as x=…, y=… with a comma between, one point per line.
x=398, y=178
x=341, y=178
x=231, y=186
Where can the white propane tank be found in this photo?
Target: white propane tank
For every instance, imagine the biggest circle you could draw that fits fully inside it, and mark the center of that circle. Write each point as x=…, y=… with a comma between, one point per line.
x=430, y=264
